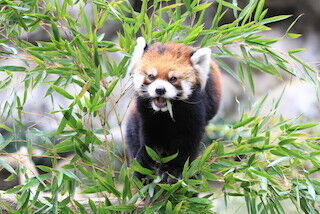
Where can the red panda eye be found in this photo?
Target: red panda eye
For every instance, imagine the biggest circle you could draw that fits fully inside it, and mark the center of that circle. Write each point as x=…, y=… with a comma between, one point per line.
x=173, y=79
x=151, y=77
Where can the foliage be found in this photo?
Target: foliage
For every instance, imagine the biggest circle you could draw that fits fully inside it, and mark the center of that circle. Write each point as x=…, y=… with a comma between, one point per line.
x=278, y=158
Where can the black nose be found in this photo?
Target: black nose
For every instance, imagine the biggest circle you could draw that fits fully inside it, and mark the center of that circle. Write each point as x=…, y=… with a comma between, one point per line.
x=160, y=91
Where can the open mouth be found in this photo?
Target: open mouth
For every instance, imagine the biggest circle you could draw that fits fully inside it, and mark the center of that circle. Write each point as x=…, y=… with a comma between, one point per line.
x=160, y=102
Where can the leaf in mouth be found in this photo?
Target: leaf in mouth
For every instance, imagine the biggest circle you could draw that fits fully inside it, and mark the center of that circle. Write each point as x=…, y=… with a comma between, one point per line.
x=169, y=106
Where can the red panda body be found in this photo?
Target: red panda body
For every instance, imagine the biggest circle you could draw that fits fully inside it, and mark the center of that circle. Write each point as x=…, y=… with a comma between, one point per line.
x=170, y=73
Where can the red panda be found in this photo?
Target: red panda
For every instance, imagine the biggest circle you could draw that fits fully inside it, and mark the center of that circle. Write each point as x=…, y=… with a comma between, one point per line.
x=188, y=79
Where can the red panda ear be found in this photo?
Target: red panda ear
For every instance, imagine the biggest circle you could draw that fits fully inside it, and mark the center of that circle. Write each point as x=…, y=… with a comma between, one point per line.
x=137, y=53
x=201, y=59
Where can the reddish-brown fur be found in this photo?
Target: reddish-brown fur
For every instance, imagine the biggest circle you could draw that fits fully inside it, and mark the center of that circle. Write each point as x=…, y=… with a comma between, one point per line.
x=169, y=57
x=216, y=74
x=175, y=57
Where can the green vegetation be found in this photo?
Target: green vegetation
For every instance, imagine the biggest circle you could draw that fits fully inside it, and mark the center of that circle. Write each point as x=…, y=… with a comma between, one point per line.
x=278, y=157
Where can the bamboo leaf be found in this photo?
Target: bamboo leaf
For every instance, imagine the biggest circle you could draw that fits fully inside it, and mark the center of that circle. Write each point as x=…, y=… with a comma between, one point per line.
x=169, y=158
x=293, y=35
x=243, y=122
x=62, y=92
x=122, y=208
x=7, y=167
x=5, y=127
x=55, y=31
x=274, y=19
x=227, y=4
x=153, y=154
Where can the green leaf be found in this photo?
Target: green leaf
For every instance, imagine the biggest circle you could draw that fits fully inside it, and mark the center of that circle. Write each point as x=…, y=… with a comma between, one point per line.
x=259, y=10
x=296, y=50
x=137, y=167
x=295, y=153
x=207, y=153
x=24, y=199
x=64, y=146
x=122, y=208
x=255, y=139
x=11, y=177
x=227, y=4
x=45, y=168
x=12, y=68
x=169, y=158
x=85, y=21
x=177, y=208
x=261, y=173
x=200, y=200
x=219, y=148
x=171, y=6
x=62, y=92
x=111, y=87
x=303, y=126
x=71, y=175
x=154, y=156
x=274, y=19
x=210, y=176
x=293, y=35
x=287, y=141
x=168, y=207
x=201, y=7
x=97, y=107
x=243, y=122
x=81, y=207
x=55, y=31
x=250, y=77
x=93, y=206
x=7, y=166
x=169, y=106
x=4, y=40
x=7, y=128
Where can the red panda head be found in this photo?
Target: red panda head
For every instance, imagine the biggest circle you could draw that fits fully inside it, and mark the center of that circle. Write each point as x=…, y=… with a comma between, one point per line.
x=168, y=71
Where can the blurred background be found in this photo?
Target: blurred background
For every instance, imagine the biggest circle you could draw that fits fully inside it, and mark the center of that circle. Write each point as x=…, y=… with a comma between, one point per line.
x=299, y=97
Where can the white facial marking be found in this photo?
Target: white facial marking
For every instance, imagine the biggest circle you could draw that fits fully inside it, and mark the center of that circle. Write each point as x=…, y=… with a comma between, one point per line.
x=156, y=108
x=201, y=62
x=152, y=71
x=164, y=109
x=171, y=74
x=186, y=88
x=137, y=53
x=171, y=91
x=138, y=80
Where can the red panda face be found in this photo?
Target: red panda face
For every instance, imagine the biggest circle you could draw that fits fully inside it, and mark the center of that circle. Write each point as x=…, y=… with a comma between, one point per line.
x=168, y=72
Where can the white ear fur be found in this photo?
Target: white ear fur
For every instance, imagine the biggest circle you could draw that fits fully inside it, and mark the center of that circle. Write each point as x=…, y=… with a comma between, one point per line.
x=201, y=62
x=137, y=53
